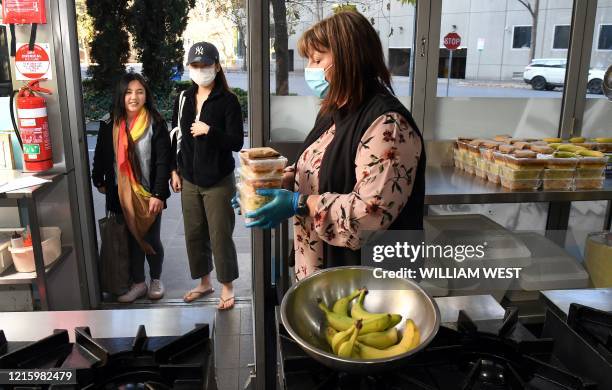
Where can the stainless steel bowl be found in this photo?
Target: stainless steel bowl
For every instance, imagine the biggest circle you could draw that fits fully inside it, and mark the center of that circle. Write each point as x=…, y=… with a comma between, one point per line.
x=306, y=323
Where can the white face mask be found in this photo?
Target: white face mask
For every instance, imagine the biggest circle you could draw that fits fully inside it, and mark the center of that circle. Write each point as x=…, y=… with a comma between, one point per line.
x=204, y=76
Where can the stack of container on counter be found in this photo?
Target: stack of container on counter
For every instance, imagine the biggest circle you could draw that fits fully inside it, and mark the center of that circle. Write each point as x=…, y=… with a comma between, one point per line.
x=530, y=164
x=261, y=168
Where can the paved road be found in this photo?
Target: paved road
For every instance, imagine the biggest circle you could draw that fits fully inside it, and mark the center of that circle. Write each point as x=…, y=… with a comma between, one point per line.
x=402, y=86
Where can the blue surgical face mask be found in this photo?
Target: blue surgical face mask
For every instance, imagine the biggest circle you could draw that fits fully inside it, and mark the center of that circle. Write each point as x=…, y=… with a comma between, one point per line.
x=315, y=78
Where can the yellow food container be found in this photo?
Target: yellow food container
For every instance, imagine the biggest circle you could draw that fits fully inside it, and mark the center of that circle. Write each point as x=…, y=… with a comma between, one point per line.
x=598, y=258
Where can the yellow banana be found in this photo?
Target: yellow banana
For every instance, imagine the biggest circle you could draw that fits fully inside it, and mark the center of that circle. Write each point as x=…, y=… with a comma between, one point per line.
x=380, y=340
x=554, y=145
x=341, y=337
x=346, y=349
x=341, y=305
x=564, y=154
x=577, y=140
x=569, y=148
x=329, y=334
x=376, y=324
x=590, y=153
x=603, y=140
x=336, y=321
x=410, y=340
x=549, y=140
x=358, y=312
x=395, y=319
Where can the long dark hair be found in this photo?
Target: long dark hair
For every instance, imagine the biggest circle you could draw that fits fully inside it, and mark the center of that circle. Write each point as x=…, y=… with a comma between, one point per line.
x=358, y=61
x=120, y=113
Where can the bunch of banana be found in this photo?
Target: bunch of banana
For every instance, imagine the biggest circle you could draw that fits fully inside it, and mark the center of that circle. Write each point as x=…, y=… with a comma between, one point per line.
x=577, y=140
x=561, y=154
x=570, y=148
x=345, y=335
x=551, y=140
x=555, y=145
x=590, y=153
x=602, y=140
x=409, y=341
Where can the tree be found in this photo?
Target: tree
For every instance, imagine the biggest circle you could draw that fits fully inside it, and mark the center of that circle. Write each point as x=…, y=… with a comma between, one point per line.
x=109, y=45
x=85, y=29
x=533, y=7
x=281, y=46
x=235, y=11
x=157, y=28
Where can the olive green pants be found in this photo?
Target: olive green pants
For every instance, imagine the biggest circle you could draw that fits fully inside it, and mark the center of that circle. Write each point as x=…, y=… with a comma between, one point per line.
x=209, y=222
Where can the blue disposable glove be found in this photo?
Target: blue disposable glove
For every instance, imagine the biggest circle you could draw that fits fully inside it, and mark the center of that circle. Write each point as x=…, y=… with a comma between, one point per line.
x=282, y=206
x=236, y=203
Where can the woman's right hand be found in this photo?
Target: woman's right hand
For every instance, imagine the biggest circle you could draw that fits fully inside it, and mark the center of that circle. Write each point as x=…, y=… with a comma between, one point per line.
x=176, y=182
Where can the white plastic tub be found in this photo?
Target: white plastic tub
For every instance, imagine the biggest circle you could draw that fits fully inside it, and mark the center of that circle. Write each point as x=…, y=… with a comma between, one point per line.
x=23, y=258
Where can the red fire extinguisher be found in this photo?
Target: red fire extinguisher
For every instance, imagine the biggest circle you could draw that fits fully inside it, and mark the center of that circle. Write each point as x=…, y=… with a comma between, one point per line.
x=33, y=127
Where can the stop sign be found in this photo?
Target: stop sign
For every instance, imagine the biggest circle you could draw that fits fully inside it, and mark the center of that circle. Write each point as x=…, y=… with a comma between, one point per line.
x=452, y=41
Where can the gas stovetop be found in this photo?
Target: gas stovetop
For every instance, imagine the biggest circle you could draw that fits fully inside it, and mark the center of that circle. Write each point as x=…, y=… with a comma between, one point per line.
x=140, y=362
x=490, y=354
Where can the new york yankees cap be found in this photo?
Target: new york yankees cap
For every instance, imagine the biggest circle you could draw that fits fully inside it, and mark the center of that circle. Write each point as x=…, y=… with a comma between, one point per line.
x=204, y=52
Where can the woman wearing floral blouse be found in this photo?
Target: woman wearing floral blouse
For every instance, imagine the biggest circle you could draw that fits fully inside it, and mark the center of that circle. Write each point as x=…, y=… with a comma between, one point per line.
x=362, y=167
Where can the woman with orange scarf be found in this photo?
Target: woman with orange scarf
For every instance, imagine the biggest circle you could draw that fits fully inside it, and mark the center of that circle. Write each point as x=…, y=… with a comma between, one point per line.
x=131, y=166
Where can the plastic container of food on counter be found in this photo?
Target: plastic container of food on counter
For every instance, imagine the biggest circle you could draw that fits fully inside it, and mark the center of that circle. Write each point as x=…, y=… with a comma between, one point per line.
x=524, y=163
x=23, y=257
x=265, y=180
x=552, y=174
x=589, y=173
x=521, y=174
x=493, y=177
x=592, y=162
x=480, y=172
x=511, y=184
x=589, y=184
x=560, y=163
x=557, y=184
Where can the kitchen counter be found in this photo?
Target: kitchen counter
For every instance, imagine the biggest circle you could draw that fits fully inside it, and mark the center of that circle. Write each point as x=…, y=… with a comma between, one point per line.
x=448, y=185
x=52, y=175
x=560, y=300
x=28, y=326
x=477, y=307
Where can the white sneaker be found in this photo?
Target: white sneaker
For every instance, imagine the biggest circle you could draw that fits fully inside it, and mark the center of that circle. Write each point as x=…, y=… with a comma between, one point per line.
x=156, y=289
x=136, y=291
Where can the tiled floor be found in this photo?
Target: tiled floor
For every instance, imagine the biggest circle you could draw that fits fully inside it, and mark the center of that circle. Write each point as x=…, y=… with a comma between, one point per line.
x=234, y=347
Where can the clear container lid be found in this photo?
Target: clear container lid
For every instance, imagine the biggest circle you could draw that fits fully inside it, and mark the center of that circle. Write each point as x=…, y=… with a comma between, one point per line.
x=264, y=164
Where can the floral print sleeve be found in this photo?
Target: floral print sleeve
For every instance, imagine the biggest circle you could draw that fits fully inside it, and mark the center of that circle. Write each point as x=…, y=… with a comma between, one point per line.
x=386, y=164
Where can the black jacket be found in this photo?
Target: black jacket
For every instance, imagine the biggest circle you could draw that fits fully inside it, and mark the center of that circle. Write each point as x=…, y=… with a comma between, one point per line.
x=207, y=159
x=337, y=172
x=103, y=173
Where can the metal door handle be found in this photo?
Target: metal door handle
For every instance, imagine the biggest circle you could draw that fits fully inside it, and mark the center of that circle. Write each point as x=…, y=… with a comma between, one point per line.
x=423, y=44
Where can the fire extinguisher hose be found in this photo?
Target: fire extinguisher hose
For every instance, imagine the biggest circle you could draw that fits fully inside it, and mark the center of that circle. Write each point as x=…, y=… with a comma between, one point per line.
x=12, y=109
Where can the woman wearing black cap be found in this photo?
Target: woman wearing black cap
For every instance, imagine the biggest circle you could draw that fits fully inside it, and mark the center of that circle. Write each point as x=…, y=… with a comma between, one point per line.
x=207, y=122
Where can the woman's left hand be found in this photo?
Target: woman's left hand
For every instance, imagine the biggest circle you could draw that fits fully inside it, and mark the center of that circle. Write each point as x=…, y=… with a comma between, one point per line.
x=199, y=128
x=282, y=206
x=155, y=206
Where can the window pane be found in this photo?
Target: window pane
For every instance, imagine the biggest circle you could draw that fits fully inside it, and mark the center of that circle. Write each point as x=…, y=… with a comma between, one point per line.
x=561, y=40
x=522, y=37
x=597, y=121
x=496, y=59
x=293, y=109
x=605, y=37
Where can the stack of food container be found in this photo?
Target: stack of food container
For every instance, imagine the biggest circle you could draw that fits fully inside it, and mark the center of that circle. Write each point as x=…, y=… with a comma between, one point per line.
x=261, y=168
x=528, y=164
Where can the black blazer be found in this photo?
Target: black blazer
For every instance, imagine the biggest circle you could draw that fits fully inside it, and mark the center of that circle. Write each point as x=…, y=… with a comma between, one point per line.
x=103, y=173
x=207, y=159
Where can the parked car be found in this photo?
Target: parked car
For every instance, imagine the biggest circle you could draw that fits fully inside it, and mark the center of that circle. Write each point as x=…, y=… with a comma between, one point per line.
x=548, y=73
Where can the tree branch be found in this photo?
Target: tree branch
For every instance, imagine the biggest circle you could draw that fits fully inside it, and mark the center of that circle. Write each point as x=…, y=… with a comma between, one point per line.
x=528, y=6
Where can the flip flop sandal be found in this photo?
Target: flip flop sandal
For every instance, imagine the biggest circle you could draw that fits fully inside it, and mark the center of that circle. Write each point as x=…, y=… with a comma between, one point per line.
x=223, y=301
x=194, y=295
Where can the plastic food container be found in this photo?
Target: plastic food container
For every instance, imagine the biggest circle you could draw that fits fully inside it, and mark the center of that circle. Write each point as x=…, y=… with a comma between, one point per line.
x=557, y=184
x=255, y=181
x=598, y=258
x=480, y=172
x=264, y=164
x=23, y=258
x=249, y=200
x=524, y=163
x=519, y=184
x=558, y=174
x=589, y=173
x=592, y=162
x=561, y=163
x=493, y=177
x=589, y=184
x=262, y=175
x=521, y=174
